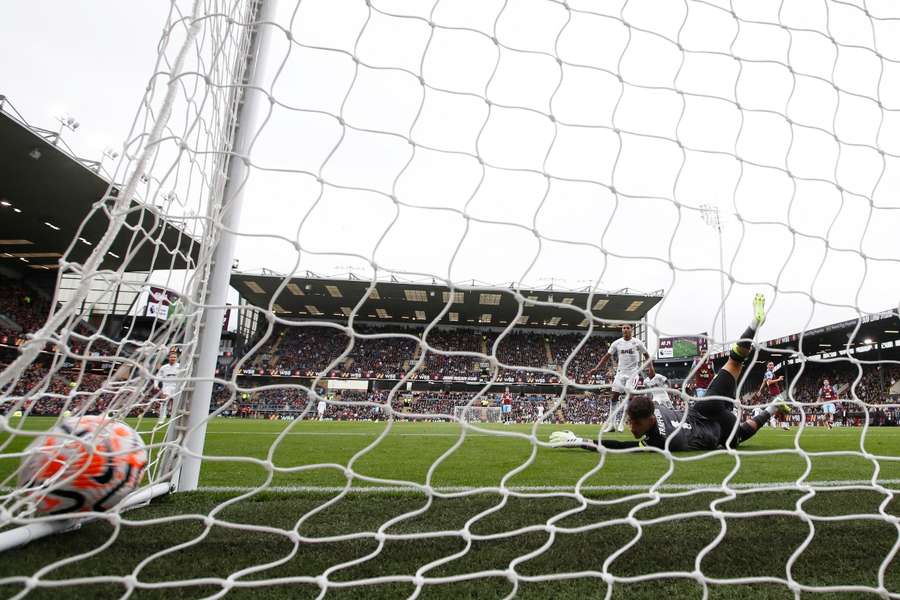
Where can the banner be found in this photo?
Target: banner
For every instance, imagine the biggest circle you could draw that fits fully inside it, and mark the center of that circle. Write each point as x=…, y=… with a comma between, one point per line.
x=348, y=384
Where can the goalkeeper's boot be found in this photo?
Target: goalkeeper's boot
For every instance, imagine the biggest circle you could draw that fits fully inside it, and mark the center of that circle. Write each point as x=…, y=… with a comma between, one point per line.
x=564, y=439
x=759, y=310
x=740, y=351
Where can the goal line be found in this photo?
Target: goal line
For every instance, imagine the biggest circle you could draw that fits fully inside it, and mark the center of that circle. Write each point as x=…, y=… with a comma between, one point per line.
x=399, y=489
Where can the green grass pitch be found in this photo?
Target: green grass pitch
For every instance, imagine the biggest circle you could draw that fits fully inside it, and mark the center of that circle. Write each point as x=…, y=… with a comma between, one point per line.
x=506, y=530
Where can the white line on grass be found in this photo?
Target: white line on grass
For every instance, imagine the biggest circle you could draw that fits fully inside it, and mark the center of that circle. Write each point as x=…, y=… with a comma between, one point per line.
x=831, y=433
x=713, y=487
x=348, y=433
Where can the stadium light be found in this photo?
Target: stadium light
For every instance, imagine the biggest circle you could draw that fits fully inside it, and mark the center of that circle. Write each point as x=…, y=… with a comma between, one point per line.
x=66, y=121
x=713, y=218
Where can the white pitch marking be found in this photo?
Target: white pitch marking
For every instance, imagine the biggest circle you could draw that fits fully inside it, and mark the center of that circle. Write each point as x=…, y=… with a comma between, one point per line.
x=712, y=487
x=545, y=488
x=349, y=433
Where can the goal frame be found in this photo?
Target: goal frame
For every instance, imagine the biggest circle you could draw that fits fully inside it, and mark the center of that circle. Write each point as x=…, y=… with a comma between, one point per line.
x=181, y=467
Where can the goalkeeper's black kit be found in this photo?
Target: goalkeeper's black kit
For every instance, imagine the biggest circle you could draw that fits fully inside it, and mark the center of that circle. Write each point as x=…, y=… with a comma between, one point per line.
x=708, y=424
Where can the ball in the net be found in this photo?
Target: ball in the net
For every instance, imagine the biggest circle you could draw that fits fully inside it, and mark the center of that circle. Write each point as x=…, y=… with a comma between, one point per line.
x=88, y=463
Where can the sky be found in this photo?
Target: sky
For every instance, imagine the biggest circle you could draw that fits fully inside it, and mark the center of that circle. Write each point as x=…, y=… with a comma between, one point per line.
x=497, y=190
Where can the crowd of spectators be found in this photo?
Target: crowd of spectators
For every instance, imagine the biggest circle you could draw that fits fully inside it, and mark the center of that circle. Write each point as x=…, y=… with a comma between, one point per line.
x=308, y=351
x=302, y=351
x=42, y=393
x=587, y=357
x=430, y=406
x=305, y=351
x=20, y=304
x=437, y=366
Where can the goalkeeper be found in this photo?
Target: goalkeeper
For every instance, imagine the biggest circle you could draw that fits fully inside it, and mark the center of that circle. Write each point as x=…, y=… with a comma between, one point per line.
x=709, y=422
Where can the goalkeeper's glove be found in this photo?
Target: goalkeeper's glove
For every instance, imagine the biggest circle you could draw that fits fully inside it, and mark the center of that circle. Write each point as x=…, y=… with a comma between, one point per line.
x=564, y=439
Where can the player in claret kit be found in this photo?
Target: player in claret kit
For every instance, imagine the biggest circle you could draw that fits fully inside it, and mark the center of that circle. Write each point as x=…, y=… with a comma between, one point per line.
x=506, y=407
x=630, y=354
x=771, y=390
x=703, y=378
x=828, y=398
x=708, y=424
x=772, y=386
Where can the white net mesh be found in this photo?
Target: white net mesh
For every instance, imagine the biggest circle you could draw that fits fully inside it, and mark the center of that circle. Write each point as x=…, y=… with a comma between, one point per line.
x=494, y=141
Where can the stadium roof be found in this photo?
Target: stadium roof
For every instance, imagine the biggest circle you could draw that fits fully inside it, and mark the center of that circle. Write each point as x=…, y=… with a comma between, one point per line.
x=420, y=303
x=45, y=194
x=876, y=330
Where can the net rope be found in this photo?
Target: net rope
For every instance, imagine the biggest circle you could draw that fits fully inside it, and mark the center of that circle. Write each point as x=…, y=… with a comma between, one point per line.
x=176, y=144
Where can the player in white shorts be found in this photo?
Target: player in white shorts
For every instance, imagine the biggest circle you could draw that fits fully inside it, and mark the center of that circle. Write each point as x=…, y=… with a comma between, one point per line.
x=630, y=354
x=657, y=386
x=320, y=408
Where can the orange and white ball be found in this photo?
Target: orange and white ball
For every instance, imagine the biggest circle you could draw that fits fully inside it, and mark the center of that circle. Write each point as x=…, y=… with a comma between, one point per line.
x=92, y=472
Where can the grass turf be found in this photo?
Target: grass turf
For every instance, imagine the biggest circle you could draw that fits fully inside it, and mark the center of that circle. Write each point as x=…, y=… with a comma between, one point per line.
x=841, y=552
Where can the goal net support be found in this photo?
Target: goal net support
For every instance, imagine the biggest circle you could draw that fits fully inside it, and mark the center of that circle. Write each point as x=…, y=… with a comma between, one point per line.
x=511, y=141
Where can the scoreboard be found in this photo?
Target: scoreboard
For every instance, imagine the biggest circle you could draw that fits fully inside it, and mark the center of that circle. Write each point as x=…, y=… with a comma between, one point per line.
x=685, y=346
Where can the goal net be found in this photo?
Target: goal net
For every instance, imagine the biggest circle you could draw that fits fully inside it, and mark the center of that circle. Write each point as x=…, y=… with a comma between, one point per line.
x=477, y=414
x=525, y=166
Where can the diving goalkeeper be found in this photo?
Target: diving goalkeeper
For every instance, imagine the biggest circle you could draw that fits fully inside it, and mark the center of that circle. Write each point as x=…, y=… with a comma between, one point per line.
x=709, y=422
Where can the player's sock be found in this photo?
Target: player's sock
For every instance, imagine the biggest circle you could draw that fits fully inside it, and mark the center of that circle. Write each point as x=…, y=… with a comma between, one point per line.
x=745, y=430
x=723, y=384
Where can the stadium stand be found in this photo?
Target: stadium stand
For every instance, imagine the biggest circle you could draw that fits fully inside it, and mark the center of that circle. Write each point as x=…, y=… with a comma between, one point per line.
x=301, y=353
x=21, y=307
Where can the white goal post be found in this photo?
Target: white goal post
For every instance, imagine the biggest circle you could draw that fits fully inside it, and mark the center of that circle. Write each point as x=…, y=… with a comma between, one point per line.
x=501, y=140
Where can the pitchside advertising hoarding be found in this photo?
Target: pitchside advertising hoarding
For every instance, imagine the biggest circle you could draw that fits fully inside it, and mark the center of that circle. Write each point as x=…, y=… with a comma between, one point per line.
x=682, y=346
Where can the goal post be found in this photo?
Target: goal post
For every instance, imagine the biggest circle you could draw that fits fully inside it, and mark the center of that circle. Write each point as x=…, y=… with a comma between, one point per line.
x=249, y=102
x=222, y=134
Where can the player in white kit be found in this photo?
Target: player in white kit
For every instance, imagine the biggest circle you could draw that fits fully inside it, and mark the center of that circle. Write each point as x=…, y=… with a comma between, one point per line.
x=657, y=386
x=630, y=354
x=168, y=385
x=320, y=408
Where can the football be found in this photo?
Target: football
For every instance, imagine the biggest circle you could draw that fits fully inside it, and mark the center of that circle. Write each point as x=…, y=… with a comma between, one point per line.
x=87, y=463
